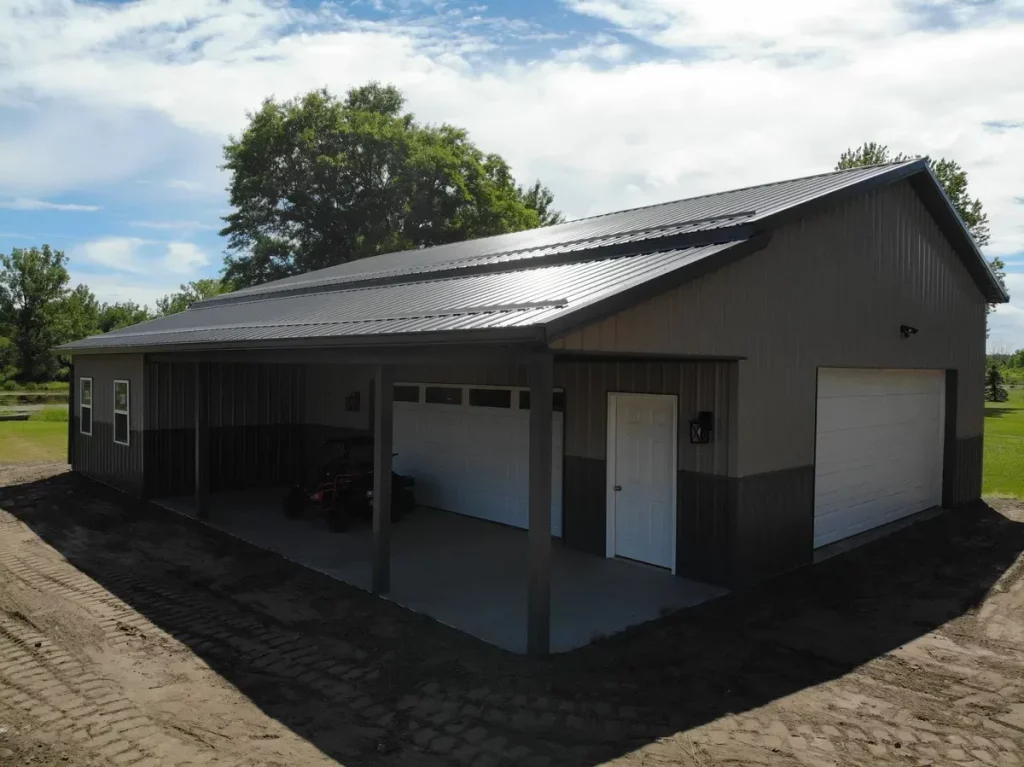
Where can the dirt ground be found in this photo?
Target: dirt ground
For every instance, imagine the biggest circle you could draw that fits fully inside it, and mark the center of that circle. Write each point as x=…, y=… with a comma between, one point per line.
x=130, y=636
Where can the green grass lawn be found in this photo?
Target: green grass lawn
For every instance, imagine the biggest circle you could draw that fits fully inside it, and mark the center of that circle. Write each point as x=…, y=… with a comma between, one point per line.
x=1004, y=446
x=31, y=441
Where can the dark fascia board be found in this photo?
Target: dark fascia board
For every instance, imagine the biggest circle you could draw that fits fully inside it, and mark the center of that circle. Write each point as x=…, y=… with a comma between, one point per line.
x=599, y=309
x=532, y=335
x=483, y=353
x=946, y=216
x=934, y=197
x=571, y=355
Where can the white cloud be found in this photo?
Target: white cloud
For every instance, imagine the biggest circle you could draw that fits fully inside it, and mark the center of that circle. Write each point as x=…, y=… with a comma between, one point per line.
x=176, y=225
x=739, y=92
x=187, y=186
x=23, y=203
x=1006, y=324
x=184, y=258
x=120, y=254
x=134, y=255
x=110, y=290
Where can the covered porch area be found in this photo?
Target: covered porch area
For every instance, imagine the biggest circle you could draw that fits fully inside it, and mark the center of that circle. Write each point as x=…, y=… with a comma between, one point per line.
x=522, y=537
x=467, y=573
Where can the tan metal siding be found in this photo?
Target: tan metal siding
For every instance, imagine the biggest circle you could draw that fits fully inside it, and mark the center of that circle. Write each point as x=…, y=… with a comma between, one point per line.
x=831, y=290
x=97, y=455
x=698, y=385
x=104, y=370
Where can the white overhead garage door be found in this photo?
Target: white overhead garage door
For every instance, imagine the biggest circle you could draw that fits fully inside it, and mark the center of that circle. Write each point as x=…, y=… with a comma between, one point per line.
x=468, y=447
x=879, y=448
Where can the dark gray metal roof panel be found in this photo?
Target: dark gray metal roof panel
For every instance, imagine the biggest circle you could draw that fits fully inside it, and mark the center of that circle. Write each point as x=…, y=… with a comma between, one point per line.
x=510, y=299
x=708, y=212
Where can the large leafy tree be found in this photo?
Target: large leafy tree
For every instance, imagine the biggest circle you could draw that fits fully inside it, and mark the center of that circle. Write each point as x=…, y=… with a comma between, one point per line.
x=316, y=181
x=121, y=315
x=191, y=292
x=953, y=179
x=33, y=294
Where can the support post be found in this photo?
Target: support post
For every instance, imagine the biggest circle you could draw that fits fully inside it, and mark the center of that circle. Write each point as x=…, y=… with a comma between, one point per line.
x=202, y=435
x=538, y=620
x=72, y=409
x=382, y=442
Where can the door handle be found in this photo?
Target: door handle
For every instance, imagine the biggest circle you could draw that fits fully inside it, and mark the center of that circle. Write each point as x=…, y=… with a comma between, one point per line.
x=618, y=488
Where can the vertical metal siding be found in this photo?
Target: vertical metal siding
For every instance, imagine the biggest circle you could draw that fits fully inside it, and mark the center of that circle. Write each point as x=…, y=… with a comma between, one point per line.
x=98, y=456
x=698, y=385
x=831, y=290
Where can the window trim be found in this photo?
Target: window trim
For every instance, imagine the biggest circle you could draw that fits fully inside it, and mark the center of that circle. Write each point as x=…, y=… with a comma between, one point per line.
x=417, y=387
x=451, y=387
x=83, y=406
x=126, y=413
x=512, y=397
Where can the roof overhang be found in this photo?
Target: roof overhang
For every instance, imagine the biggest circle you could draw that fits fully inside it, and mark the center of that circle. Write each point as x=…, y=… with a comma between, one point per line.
x=724, y=246
x=933, y=196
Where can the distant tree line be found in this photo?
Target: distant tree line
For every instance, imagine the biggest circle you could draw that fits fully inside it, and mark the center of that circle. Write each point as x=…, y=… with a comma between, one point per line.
x=39, y=310
x=1004, y=369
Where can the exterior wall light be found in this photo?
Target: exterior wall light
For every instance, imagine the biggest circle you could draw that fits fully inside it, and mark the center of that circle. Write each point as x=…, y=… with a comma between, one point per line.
x=701, y=427
x=907, y=331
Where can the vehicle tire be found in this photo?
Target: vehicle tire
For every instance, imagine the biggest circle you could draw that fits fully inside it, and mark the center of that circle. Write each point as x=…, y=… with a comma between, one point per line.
x=294, y=502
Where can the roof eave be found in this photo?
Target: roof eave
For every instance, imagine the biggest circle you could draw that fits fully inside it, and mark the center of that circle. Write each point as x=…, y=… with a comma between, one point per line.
x=529, y=335
x=920, y=175
x=934, y=196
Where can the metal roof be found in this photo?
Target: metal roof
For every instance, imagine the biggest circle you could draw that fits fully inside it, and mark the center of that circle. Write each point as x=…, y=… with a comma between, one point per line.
x=696, y=214
x=527, y=283
x=523, y=299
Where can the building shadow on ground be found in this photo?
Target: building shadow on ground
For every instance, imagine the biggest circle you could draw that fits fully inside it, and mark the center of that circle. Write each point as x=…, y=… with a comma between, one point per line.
x=363, y=679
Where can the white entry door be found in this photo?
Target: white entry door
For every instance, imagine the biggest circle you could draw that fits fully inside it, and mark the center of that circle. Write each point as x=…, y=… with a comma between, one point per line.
x=879, y=448
x=468, y=448
x=642, y=478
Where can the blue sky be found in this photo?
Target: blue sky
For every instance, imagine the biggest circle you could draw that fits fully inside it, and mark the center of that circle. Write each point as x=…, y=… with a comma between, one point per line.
x=113, y=114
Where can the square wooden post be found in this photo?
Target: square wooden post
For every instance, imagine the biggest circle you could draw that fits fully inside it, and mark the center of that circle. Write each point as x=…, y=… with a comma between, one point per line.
x=538, y=620
x=73, y=395
x=202, y=435
x=383, y=418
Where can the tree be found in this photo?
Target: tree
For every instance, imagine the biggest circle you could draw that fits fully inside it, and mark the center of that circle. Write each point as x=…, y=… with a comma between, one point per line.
x=33, y=290
x=953, y=179
x=122, y=315
x=539, y=198
x=316, y=181
x=994, y=389
x=188, y=294
x=78, y=315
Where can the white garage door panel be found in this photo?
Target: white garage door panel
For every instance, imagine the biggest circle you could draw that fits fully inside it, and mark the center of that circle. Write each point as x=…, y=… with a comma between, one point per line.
x=879, y=448
x=474, y=460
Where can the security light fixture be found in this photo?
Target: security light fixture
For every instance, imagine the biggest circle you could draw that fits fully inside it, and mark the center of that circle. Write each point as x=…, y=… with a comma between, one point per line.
x=907, y=331
x=701, y=427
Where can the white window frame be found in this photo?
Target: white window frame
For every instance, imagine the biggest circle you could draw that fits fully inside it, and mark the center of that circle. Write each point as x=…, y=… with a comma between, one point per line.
x=82, y=406
x=126, y=413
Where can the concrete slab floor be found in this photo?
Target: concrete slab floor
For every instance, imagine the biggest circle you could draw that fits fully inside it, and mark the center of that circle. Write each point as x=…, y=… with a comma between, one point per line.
x=464, y=572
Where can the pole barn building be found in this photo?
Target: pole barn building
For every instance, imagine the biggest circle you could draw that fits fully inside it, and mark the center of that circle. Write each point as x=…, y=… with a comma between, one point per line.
x=604, y=419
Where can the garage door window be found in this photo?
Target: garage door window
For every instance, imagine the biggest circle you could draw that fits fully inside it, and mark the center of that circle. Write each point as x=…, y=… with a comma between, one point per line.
x=405, y=393
x=443, y=395
x=490, y=398
x=121, y=410
x=85, y=406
